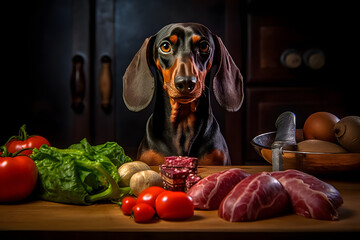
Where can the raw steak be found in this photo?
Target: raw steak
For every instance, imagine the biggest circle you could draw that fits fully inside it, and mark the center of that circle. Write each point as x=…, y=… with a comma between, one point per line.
x=210, y=191
x=256, y=197
x=310, y=197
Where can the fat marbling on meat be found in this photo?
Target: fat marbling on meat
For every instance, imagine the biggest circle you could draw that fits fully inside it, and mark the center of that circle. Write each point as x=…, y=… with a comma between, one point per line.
x=256, y=197
x=310, y=197
x=210, y=191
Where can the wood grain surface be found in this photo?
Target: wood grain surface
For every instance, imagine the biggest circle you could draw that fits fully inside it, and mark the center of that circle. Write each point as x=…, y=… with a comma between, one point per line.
x=41, y=219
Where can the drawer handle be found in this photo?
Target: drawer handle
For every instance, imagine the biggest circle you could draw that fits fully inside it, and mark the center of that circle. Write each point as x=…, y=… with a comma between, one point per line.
x=105, y=83
x=291, y=58
x=314, y=59
x=77, y=83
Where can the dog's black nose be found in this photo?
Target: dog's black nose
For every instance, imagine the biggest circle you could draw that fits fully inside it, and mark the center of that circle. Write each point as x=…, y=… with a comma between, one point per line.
x=185, y=84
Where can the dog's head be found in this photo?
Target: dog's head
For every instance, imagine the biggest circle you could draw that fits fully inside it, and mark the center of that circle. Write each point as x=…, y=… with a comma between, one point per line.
x=185, y=54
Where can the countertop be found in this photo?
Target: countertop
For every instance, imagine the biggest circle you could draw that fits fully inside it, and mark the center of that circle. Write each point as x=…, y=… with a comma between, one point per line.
x=38, y=219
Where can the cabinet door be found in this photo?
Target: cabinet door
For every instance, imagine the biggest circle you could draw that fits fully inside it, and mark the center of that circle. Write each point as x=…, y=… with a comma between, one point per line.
x=104, y=64
x=43, y=37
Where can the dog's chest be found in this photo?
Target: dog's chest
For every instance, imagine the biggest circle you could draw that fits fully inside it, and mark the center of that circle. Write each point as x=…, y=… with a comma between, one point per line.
x=183, y=132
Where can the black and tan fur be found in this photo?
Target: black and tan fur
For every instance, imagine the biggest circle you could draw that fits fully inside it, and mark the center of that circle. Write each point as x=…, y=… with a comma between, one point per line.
x=185, y=60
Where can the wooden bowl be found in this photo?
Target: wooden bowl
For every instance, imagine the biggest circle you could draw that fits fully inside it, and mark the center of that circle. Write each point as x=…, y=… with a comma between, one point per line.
x=310, y=162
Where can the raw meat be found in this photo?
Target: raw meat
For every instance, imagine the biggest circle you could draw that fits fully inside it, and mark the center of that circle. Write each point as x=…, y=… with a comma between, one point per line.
x=174, y=179
x=174, y=173
x=310, y=197
x=191, y=180
x=210, y=191
x=176, y=170
x=173, y=187
x=256, y=197
x=181, y=161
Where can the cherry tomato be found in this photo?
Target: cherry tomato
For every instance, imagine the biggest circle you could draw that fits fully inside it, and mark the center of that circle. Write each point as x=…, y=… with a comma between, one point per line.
x=127, y=204
x=23, y=140
x=143, y=212
x=174, y=205
x=149, y=195
x=18, y=176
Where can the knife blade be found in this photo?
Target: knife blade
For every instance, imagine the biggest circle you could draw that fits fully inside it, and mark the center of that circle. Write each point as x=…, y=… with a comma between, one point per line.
x=285, y=138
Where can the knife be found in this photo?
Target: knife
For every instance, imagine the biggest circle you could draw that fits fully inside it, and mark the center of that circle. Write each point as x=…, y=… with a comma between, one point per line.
x=285, y=138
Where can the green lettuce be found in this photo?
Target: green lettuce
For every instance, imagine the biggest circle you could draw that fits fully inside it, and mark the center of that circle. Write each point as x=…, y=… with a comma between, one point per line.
x=81, y=174
x=111, y=150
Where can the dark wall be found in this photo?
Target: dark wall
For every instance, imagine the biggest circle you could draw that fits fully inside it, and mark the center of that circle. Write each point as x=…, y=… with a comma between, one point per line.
x=36, y=46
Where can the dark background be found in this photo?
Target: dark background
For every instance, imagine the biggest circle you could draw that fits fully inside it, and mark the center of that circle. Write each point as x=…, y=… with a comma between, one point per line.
x=41, y=37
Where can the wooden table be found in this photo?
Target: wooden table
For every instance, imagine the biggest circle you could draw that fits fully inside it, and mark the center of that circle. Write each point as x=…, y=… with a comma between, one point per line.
x=47, y=220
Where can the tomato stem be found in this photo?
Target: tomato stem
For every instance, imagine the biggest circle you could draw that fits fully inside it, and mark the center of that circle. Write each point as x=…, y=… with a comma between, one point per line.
x=22, y=133
x=21, y=137
x=21, y=150
x=6, y=153
x=9, y=140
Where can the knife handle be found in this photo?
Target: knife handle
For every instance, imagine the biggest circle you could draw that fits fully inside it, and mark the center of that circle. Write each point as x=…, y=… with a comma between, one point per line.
x=286, y=129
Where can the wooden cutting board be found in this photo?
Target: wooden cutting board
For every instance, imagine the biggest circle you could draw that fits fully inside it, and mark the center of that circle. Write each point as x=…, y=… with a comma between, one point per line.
x=49, y=219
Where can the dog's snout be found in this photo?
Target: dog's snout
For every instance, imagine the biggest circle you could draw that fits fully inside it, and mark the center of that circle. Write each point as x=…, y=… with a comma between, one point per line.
x=185, y=84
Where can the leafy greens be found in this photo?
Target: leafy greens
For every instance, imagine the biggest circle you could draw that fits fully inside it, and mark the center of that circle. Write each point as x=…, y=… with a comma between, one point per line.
x=81, y=174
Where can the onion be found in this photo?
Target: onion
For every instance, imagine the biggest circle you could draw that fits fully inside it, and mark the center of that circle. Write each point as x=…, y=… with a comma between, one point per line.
x=127, y=170
x=144, y=179
x=347, y=132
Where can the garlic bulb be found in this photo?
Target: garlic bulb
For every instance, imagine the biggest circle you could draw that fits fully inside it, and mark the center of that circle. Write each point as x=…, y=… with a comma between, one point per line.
x=144, y=179
x=127, y=170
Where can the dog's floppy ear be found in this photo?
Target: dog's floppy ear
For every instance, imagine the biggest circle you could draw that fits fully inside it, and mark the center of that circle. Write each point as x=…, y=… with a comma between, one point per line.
x=227, y=81
x=138, y=81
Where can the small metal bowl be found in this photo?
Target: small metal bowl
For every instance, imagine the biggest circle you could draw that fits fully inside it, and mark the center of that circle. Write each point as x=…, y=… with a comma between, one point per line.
x=310, y=162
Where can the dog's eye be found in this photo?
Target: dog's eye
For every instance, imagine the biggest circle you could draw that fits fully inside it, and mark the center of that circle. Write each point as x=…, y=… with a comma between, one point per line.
x=165, y=47
x=204, y=47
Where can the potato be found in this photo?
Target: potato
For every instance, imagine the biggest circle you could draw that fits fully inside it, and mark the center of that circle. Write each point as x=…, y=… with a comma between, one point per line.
x=144, y=179
x=347, y=132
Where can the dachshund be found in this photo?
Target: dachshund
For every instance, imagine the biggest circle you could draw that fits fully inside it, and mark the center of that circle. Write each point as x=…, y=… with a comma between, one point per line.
x=186, y=59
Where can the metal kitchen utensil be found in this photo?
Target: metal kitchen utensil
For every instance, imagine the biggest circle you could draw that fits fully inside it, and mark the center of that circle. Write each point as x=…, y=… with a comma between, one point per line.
x=309, y=162
x=285, y=138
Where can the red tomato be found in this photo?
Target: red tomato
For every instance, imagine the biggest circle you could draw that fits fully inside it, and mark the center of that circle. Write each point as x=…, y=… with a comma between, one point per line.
x=18, y=176
x=149, y=195
x=174, y=205
x=143, y=212
x=127, y=204
x=31, y=142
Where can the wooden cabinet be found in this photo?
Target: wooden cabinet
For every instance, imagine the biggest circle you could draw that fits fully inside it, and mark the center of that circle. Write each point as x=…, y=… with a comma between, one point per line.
x=43, y=37
x=277, y=50
x=295, y=62
x=55, y=56
x=53, y=45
